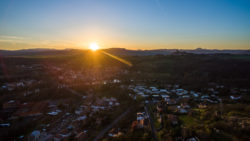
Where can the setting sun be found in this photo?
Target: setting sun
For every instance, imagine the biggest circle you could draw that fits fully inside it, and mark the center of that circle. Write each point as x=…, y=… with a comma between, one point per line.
x=94, y=46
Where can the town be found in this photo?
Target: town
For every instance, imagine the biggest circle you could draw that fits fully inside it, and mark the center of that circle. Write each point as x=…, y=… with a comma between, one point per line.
x=56, y=101
x=124, y=70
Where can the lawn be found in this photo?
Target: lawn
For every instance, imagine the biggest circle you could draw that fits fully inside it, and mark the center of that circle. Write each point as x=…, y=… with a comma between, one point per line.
x=187, y=120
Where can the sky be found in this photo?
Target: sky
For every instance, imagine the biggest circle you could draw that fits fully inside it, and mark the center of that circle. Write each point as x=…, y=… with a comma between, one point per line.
x=131, y=24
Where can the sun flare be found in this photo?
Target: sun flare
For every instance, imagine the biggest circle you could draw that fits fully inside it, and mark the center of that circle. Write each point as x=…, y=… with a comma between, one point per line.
x=94, y=46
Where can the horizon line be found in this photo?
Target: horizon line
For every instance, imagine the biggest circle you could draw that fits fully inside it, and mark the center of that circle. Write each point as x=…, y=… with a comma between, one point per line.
x=116, y=48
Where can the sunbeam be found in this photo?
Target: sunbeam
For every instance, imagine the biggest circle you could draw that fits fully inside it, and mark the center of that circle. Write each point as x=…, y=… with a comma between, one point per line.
x=119, y=59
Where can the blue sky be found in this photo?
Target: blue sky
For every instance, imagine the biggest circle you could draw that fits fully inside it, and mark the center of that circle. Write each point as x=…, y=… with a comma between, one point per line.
x=134, y=24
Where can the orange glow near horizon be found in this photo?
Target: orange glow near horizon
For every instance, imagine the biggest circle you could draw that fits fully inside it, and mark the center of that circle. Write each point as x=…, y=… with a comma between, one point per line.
x=94, y=46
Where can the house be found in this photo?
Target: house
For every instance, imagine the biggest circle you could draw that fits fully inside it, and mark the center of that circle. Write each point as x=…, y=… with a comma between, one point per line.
x=54, y=113
x=235, y=97
x=211, y=89
x=181, y=92
x=165, y=96
x=154, y=90
x=140, y=115
x=115, y=132
x=171, y=101
x=202, y=106
x=211, y=101
x=21, y=137
x=140, y=87
x=182, y=111
x=116, y=81
x=142, y=123
x=141, y=120
x=20, y=84
x=140, y=93
x=185, y=96
x=185, y=105
x=219, y=86
x=96, y=108
x=147, y=91
x=81, y=118
x=4, y=124
x=156, y=96
x=4, y=87
x=192, y=139
x=70, y=127
x=152, y=87
x=111, y=103
x=34, y=136
x=194, y=93
x=163, y=91
x=204, y=96
x=79, y=111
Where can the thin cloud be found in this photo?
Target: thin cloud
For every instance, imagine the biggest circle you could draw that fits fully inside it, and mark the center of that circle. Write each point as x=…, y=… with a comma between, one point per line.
x=12, y=39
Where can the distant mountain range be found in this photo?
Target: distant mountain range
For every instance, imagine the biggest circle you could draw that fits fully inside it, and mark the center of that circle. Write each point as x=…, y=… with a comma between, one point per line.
x=121, y=51
x=38, y=51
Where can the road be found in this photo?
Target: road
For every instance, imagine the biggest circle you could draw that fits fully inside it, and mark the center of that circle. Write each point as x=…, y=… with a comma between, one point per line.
x=106, y=129
x=151, y=121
